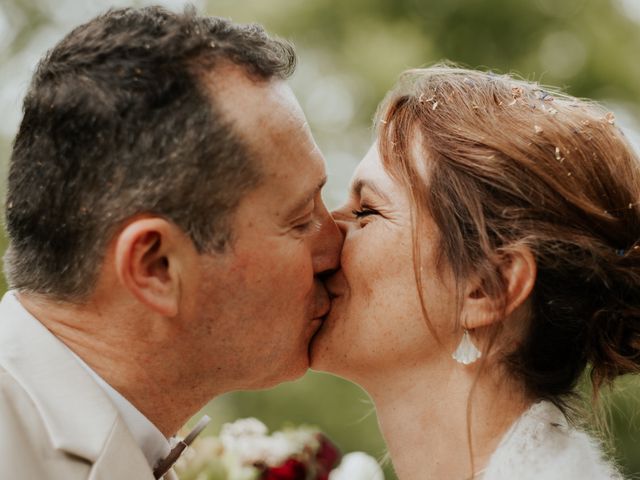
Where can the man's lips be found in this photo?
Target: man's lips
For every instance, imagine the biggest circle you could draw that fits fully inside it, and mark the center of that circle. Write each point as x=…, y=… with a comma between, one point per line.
x=333, y=295
x=322, y=301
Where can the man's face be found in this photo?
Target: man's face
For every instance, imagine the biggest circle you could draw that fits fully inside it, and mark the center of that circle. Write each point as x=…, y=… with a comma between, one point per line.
x=260, y=302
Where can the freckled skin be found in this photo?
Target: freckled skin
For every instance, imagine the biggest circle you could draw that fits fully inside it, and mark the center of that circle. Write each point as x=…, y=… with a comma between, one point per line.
x=376, y=324
x=258, y=303
x=170, y=327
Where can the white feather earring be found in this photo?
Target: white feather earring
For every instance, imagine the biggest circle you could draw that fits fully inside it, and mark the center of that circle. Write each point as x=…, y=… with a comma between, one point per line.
x=467, y=352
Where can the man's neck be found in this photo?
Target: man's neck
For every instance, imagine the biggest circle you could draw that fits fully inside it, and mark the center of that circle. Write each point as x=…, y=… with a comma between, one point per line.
x=130, y=352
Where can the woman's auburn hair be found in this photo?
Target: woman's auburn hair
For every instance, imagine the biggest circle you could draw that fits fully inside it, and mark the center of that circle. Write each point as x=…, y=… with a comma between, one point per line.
x=499, y=162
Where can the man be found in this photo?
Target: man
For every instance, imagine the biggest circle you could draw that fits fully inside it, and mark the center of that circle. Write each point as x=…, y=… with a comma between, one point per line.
x=167, y=239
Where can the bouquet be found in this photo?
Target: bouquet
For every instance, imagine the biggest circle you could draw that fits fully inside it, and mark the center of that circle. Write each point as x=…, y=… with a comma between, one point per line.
x=244, y=450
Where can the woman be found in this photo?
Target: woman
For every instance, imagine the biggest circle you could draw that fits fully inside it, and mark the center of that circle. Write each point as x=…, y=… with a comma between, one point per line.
x=491, y=256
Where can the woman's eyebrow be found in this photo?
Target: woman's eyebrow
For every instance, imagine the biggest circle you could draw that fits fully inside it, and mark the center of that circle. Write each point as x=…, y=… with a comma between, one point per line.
x=362, y=183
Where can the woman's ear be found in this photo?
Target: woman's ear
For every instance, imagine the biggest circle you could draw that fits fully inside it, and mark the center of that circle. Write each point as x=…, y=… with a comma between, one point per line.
x=148, y=253
x=517, y=266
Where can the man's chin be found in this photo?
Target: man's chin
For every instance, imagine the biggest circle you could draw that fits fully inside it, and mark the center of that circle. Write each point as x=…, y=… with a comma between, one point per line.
x=294, y=370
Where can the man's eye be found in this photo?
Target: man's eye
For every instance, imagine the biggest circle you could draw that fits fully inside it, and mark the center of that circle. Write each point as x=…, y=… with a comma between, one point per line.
x=304, y=227
x=306, y=224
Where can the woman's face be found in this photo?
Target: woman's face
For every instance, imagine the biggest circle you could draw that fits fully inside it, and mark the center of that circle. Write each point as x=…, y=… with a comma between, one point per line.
x=376, y=324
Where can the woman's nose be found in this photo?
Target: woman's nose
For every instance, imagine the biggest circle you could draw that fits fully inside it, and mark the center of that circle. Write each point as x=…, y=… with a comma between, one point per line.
x=342, y=222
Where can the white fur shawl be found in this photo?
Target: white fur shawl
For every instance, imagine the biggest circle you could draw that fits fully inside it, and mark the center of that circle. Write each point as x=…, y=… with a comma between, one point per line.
x=542, y=446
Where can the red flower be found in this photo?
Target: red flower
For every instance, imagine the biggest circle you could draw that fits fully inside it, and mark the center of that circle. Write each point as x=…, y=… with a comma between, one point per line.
x=289, y=470
x=327, y=457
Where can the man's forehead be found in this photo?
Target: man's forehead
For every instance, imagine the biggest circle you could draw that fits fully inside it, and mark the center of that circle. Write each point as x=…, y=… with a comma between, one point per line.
x=285, y=196
x=267, y=116
x=253, y=103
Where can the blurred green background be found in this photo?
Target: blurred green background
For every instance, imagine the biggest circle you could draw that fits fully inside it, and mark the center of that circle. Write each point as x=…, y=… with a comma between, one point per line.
x=350, y=54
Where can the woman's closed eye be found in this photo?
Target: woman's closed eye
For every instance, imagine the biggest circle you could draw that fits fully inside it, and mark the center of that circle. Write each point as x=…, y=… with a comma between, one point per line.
x=365, y=214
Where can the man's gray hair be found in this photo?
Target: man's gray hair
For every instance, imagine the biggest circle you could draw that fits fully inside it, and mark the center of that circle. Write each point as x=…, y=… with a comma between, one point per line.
x=118, y=122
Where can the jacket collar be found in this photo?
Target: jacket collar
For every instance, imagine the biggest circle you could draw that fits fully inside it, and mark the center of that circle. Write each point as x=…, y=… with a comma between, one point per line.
x=77, y=414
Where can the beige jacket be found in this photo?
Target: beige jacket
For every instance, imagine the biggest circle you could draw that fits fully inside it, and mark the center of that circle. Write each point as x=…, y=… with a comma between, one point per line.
x=55, y=421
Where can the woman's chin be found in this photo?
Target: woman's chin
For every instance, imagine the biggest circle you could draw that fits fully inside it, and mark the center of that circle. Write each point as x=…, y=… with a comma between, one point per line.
x=339, y=347
x=327, y=350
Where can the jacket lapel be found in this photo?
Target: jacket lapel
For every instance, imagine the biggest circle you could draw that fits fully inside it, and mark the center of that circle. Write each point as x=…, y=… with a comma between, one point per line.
x=170, y=475
x=78, y=416
x=121, y=458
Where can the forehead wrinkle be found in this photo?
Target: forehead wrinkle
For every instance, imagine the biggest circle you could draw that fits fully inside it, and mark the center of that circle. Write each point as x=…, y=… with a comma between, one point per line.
x=307, y=198
x=362, y=183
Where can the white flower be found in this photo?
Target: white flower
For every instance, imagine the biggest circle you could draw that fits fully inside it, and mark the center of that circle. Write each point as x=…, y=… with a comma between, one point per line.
x=246, y=442
x=241, y=472
x=278, y=448
x=357, y=466
x=296, y=441
x=242, y=428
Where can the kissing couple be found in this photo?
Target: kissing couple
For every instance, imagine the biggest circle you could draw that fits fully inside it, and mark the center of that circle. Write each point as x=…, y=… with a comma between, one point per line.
x=168, y=243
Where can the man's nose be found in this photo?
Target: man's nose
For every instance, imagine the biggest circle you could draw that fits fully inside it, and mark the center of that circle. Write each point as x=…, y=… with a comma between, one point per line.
x=329, y=247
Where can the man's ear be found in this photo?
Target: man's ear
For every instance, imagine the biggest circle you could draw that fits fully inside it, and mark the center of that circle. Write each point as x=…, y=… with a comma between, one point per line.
x=518, y=269
x=148, y=253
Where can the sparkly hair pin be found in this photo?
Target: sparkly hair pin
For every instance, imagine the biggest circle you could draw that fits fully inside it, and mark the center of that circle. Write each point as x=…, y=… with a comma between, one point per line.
x=516, y=93
x=610, y=118
x=544, y=96
x=622, y=252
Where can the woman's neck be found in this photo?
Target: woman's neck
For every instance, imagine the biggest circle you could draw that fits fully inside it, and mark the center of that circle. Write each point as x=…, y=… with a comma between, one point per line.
x=424, y=419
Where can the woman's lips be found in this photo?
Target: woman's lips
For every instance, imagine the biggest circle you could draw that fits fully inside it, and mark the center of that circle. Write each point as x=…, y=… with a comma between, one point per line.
x=325, y=310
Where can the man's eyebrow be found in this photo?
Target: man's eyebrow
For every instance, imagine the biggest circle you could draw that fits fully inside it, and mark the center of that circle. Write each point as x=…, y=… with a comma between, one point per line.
x=358, y=185
x=300, y=205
